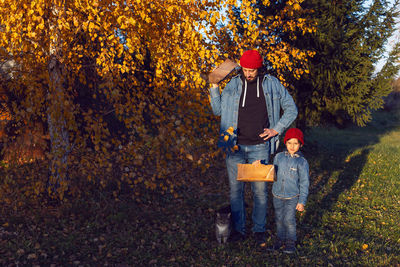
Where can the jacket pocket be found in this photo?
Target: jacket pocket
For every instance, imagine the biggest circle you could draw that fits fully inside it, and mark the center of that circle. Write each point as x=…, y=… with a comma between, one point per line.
x=293, y=172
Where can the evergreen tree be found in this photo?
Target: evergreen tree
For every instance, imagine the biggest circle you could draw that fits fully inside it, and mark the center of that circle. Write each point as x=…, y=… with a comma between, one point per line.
x=350, y=39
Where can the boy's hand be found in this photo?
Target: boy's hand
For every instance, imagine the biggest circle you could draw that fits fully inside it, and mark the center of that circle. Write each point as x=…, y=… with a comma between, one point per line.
x=300, y=207
x=257, y=162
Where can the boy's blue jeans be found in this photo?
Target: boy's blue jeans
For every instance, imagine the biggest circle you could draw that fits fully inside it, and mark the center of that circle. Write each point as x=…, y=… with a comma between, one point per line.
x=285, y=218
x=247, y=154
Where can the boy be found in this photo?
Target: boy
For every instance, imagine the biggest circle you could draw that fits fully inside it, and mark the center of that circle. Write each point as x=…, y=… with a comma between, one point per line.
x=290, y=190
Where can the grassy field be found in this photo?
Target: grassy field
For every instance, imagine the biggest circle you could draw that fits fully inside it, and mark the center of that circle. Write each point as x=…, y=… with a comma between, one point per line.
x=351, y=218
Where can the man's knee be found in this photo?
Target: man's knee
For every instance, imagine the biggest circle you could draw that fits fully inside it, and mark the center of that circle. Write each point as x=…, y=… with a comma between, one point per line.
x=259, y=189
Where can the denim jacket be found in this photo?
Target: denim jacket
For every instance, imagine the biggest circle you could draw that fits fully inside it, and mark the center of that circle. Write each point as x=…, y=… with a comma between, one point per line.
x=292, y=174
x=277, y=97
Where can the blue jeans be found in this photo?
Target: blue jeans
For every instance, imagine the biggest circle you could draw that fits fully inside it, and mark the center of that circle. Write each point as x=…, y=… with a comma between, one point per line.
x=247, y=154
x=285, y=218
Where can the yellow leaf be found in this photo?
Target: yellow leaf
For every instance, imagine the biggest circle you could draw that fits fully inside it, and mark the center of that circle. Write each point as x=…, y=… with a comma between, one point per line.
x=213, y=20
x=76, y=23
x=296, y=6
x=119, y=20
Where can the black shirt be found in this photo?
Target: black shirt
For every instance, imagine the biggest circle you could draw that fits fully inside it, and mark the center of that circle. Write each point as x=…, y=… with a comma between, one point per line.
x=253, y=115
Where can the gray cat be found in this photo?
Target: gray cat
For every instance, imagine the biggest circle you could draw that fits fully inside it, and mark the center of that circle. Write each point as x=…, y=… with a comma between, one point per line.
x=223, y=224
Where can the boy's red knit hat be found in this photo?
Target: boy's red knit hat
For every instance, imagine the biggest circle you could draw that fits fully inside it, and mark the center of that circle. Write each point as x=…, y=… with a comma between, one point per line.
x=294, y=133
x=251, y=59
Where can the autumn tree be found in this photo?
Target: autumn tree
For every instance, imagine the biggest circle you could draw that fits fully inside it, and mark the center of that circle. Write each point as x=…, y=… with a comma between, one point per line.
x=117, y=84
x=252, y=24
x=146, y=57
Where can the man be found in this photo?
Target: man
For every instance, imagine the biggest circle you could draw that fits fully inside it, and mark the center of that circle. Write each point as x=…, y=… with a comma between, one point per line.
x=251, y=103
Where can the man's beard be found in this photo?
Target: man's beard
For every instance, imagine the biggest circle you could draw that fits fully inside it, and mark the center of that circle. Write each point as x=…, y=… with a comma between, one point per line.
x=251, y=79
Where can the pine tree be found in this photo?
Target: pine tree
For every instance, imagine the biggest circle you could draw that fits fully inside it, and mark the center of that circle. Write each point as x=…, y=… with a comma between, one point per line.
x=350, y=39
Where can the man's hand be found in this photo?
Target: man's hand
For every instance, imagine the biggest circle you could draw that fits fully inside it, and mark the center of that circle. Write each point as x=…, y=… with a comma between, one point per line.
x=268, y=133
x=214, y=85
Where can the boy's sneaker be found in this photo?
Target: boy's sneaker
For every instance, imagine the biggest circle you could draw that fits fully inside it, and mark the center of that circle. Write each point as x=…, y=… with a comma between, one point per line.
x=260, y=238
x=278, y=244
x=290, y=247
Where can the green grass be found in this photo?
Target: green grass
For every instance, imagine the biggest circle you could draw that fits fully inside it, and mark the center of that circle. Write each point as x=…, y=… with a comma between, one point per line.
x=351, y=218
x=356, y=196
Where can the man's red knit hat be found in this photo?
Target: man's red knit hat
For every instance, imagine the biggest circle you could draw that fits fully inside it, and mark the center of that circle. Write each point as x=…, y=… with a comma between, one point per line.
x=251, y=59
x=294, y=133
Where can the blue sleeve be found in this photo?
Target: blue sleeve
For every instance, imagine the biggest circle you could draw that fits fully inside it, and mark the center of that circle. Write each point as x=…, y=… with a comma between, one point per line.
x=288, y=106
x=304, y=174
x=276, y=162
x=215, y=99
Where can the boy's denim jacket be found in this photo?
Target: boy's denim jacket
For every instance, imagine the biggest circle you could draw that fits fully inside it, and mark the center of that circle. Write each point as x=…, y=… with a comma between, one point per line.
x=277, y=97
x=292, y=174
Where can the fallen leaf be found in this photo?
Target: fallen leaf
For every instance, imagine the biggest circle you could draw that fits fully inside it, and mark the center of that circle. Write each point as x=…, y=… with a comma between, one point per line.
x=32, y=256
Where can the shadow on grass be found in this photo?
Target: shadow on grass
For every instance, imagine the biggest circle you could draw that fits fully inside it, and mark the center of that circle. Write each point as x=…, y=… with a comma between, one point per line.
x=330, y=193
x=337, y=157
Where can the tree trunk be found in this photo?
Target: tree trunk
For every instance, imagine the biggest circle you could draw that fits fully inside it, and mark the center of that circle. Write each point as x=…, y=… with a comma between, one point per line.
x=59, y=137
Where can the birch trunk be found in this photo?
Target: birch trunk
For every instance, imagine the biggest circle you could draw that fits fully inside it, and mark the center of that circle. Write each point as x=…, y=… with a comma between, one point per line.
x=59, y=137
